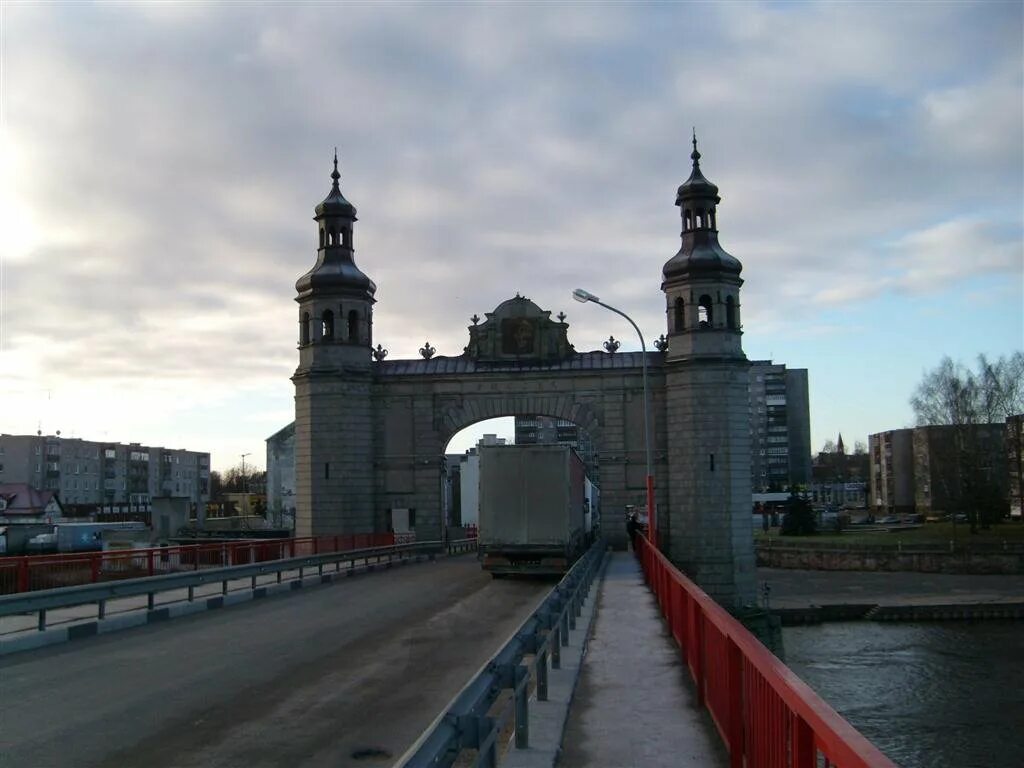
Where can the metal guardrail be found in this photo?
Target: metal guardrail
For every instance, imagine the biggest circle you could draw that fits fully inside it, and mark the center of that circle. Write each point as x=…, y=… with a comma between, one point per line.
x=24, y=573
x=467, y=723
x=765, y=714
x=41, y=601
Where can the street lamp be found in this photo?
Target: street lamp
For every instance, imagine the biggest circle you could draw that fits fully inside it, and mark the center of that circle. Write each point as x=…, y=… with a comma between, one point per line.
x=585, y=296
x=245, y=480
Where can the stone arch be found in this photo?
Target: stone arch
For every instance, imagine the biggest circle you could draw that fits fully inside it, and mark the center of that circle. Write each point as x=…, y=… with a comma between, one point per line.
x=476, y=408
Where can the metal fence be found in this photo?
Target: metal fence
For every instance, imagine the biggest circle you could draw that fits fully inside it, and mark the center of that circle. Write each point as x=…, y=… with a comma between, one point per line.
x=34, y=572
x=41, y=601
x=476, y=718
x=765, y=714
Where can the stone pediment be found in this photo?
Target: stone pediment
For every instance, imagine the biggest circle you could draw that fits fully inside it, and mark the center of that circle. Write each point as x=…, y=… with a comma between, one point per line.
x=519, y=330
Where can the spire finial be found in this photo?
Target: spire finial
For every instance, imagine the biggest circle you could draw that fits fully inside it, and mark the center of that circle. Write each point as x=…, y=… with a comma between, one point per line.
x=695, y=155
x=334, y=174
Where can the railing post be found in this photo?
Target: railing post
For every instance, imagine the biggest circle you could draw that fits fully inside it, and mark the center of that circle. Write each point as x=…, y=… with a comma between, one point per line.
x=23, y=575
x=94, y=562
x=737, y=748
x=42, y=620
x=541, y=666
x=556, y=647
x=698, y=652
x=149, y=558
x=522, y=696
x=803, y=745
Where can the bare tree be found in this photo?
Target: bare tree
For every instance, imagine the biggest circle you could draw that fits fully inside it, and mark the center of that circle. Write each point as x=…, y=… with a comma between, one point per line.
x=859, y=448
x=952, y=394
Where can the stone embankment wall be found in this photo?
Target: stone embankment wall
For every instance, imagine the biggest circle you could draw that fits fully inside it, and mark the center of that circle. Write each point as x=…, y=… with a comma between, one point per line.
x=867, y=559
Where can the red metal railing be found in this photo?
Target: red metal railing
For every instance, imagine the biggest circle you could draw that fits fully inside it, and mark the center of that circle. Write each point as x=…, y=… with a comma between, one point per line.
x=24, y=574
x=767, y=716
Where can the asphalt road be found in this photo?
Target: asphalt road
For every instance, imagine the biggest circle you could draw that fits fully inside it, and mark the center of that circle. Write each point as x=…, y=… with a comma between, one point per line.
x=343, y=675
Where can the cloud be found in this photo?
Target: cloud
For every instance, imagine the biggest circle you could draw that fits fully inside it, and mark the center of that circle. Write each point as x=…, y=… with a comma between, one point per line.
x=168, y=161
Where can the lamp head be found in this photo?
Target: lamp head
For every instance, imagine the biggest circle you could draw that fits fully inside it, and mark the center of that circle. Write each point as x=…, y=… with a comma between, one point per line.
x=583, y=296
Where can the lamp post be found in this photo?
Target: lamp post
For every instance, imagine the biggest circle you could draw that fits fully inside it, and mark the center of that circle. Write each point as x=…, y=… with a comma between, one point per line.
x=585, y=296
x=245, y=484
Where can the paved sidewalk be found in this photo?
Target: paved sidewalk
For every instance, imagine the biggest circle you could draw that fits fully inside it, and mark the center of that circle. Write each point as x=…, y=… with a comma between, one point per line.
x=635, y=704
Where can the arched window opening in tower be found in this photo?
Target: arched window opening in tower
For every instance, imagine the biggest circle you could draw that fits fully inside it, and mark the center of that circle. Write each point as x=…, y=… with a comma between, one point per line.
x=327, y=330
x=686, y=220
x=353, y=326
x=304, y=329
x=730, y=312
x=711, y=219
x=704, y=314
x=700, y=219
x=679, y=321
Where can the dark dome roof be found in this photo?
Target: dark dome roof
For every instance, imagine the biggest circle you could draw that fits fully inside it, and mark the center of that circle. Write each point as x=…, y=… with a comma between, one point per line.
x=335, y=273
x=701, y=253
x=695, y=186
x=516, y=306
x=335, y=203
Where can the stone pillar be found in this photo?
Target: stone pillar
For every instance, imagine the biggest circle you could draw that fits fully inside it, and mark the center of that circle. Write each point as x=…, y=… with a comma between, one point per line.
x=334, y=481
x=710, y=530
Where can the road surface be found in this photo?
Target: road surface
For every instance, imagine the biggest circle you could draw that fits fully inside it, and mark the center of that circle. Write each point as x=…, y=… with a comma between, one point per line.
x=341, y=675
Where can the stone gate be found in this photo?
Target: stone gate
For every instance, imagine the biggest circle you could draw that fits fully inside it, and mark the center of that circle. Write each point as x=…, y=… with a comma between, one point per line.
x=370, y=432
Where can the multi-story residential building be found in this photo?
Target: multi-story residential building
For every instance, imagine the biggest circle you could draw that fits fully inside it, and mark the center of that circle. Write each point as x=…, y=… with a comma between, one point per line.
x=1015, y=464
x=957, y=468
x=281, y=477
x=939, y=469
x=469, y=481
x=892, y=471
x=91, y=476
x=780, y=427
x=546, y=430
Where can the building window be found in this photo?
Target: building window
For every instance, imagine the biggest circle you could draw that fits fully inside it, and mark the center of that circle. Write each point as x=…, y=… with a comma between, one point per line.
x=704, y=312
x=353, y=326
x=327, y=325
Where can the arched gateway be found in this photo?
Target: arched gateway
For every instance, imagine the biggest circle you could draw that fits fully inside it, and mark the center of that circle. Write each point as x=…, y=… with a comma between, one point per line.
x=370, y=432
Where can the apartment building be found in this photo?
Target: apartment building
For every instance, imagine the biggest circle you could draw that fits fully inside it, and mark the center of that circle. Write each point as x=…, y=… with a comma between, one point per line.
x=547, y=430
x=780, y=427
x=90, y=476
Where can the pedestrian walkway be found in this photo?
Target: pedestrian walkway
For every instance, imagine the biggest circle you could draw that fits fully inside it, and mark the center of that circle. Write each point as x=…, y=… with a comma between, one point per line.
x=635, y=705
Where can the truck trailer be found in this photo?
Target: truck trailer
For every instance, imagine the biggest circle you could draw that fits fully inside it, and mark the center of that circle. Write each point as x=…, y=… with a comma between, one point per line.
x=532, y=508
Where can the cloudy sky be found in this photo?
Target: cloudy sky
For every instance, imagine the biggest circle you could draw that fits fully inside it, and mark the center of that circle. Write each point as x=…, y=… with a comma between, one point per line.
x=161, y=163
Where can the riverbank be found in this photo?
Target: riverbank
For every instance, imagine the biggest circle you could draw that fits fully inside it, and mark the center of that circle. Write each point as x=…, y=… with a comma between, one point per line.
x=918, y=550
x=815, y=596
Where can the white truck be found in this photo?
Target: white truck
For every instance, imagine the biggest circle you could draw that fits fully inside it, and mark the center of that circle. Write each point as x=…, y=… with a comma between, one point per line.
x=532, y=509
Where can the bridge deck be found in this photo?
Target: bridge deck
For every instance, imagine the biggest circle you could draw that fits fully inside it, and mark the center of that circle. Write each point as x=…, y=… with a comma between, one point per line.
x=310, y=679
x=635, y=704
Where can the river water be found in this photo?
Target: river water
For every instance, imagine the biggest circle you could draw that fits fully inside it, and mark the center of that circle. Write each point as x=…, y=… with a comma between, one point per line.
x=936, y=695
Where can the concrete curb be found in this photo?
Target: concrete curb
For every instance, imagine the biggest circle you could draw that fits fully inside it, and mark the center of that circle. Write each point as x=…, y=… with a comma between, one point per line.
x=31, y=640
x=548, y=719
